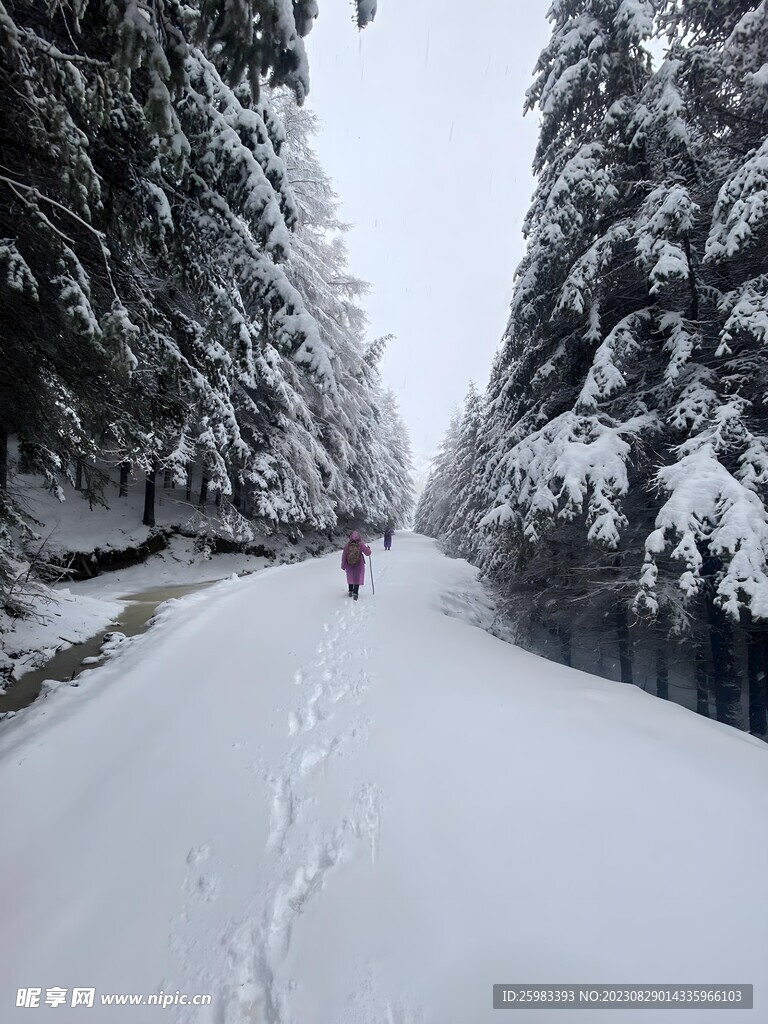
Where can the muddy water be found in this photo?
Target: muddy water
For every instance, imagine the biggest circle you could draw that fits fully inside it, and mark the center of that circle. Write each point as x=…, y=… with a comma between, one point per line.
x=67, y=664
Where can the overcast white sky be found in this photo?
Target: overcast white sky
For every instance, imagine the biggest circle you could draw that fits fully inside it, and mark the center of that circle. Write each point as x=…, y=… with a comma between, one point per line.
x=425, y=139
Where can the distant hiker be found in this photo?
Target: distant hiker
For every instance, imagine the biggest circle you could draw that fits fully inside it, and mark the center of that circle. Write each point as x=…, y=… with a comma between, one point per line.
x=353, y=562
x=388, y=538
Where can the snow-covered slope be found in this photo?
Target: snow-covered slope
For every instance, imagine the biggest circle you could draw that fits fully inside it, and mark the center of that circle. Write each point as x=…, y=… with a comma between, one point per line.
x=327, y=812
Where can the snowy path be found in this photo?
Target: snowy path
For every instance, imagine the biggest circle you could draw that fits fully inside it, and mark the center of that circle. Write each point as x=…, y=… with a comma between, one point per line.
x=323, y=812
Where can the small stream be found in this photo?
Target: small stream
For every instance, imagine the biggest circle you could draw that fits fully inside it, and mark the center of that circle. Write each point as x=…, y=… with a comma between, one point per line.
x=67, y=664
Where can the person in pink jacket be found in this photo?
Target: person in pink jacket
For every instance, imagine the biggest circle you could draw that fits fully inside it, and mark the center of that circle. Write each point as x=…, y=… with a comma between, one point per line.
x=353, y=562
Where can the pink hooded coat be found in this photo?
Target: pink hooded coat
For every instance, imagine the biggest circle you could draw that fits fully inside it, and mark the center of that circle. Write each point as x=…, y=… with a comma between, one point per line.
x=355, y=573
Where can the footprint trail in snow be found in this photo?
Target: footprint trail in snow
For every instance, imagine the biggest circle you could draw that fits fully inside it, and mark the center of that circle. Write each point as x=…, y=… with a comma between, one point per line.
x=321, y=726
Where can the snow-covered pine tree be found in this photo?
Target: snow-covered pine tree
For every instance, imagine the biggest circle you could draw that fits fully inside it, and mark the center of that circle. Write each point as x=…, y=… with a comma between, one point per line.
x=711, y=534
x=394, y=451
x=461, y=532
x=145, y=219
x=318, y=267
x=436, y=503
x=133, y=174
x=617, y=374
x=381, y=467
x=570, y=393
x=341, y=438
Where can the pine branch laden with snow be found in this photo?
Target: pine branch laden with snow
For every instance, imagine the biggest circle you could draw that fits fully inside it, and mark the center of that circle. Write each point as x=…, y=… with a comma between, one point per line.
x=18, y=276
x=366, y=12
x=666, y=221
x=575, y=465
x=745, y=312
x=259, y=39
x=740, y=217
x=264, y=39
x=710, y=509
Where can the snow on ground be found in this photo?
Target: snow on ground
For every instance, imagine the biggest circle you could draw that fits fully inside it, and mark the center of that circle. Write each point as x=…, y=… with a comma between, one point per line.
x=74, y=611
x=178, y=565
x=73, y=524
x=328, y=812
x=60, y=619
x=77, y=610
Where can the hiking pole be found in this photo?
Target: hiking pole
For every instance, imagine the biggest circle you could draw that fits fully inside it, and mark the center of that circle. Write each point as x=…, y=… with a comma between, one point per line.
x=373, y=586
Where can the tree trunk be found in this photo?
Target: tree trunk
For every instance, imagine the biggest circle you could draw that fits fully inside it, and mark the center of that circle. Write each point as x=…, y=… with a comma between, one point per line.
x=189, y=481
x=727, y=688
x=702, y=688
x=758, y=723
x=124, y=470
x=3, y=458
x=692, y=281
x=565, y=645
x=764, y=668
x=625, y=653
x=203, y=491
x=167, y=479
x=149, y=498
x=662, y=673
x=726, y=681
x=78, y=475
x=237, y=493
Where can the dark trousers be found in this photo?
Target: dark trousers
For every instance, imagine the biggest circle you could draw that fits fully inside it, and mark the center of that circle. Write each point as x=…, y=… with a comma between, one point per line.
x=353, y=587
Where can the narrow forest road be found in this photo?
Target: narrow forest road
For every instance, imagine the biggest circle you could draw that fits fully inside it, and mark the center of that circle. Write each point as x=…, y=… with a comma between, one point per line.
x=328, y=812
